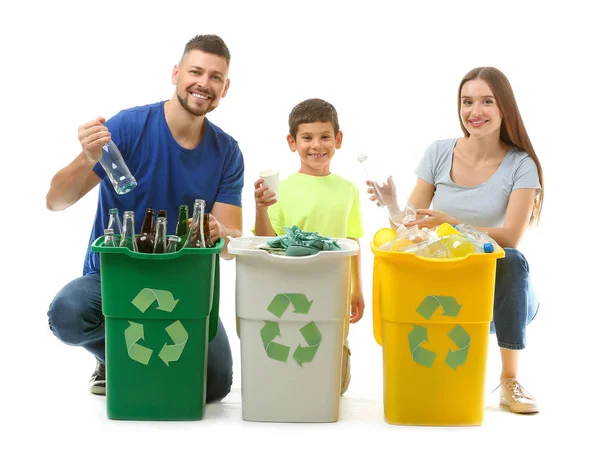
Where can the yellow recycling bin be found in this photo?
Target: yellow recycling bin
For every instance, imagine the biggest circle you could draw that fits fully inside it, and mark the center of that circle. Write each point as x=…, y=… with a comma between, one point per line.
x=432, y=318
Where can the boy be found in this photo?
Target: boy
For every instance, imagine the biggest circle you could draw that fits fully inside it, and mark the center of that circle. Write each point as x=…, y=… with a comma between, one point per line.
x=314, y=199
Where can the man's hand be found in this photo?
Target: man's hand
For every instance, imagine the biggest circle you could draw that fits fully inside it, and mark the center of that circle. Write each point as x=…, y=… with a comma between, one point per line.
x=92, y=135
x=216, y=229
x=357, y=306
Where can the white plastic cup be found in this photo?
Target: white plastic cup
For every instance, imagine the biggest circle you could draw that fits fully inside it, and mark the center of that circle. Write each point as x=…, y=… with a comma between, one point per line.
x=271, y=178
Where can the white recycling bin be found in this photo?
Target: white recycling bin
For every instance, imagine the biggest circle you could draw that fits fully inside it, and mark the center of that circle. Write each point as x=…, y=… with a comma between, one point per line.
x=292, y=312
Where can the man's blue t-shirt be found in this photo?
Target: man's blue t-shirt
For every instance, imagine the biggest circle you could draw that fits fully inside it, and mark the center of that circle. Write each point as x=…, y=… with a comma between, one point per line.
x=167, y=175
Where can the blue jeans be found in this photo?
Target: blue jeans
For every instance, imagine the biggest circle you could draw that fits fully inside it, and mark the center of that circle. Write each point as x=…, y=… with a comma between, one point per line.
x=75, y=317
x=515, y=303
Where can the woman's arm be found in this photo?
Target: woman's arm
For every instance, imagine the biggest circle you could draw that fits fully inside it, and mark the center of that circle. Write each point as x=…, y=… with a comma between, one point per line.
x=516, y=219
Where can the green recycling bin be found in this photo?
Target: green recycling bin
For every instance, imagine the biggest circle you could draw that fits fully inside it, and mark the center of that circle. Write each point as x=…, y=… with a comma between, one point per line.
x=160, y=312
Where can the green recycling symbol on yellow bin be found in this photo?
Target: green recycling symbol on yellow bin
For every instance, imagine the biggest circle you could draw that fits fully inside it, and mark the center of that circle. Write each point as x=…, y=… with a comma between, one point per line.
x=310, y=332
x=135, y=332
x=457, y=334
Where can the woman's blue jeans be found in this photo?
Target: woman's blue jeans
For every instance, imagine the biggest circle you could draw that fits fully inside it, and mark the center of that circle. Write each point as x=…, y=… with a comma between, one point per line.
x=515, y=302
x=75, y=317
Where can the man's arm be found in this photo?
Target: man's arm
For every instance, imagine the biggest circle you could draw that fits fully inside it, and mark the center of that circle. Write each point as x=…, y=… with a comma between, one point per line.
x=71, y=183
x=77, y=179
x=227, y=222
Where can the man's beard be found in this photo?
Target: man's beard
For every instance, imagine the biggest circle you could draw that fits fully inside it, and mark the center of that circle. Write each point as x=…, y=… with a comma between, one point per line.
x=198, y=112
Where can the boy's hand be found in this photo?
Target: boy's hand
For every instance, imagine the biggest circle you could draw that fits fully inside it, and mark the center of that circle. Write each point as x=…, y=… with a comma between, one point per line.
x=263, y=197
x=357, y=306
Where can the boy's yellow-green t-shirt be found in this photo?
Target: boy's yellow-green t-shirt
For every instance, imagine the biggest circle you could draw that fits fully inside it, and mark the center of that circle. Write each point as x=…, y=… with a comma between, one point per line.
x=329, y=205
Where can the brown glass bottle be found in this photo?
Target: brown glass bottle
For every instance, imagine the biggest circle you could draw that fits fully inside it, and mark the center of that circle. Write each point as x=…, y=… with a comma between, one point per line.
x=145, y=239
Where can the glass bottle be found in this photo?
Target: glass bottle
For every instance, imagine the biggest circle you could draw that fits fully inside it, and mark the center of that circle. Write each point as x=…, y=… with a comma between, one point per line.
x=182, y=225
x=109, y=238
x=128, y=236
x=173, y=245
x=199, y=234
x=115, y=167
x=145, y=239
x=114, y=222
x=160, y=240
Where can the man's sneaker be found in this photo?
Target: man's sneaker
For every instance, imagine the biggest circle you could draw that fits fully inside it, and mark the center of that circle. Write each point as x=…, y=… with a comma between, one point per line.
x=516, y=398
x=98, y=381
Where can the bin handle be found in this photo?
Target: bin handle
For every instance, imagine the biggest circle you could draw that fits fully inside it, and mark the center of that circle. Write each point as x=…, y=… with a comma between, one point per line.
x=377, y=332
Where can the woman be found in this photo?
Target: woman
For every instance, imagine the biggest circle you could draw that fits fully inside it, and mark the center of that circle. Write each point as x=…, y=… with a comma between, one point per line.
x=491, y=179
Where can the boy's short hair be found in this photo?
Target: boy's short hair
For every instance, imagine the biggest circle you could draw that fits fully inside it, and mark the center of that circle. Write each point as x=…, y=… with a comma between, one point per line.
x=212, y=44
x=313, y=110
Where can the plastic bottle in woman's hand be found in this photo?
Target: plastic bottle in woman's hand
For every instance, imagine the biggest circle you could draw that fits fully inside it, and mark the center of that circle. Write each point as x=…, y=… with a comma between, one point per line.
x=385, y=192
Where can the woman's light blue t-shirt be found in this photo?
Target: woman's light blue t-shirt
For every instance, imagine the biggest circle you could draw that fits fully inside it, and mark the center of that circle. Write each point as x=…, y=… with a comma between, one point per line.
x=482, y=205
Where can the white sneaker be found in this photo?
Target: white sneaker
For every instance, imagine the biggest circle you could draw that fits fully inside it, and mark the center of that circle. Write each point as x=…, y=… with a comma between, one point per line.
x=514, y=396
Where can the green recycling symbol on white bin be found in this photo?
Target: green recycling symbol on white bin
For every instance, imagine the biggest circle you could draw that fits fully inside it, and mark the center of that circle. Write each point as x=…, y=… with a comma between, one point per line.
x=310, y=332
x=135, y=332
x=457, y=334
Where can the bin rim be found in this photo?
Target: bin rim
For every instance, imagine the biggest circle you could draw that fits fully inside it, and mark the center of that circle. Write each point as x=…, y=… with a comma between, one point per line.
x=97, y=246
x=247, y=246
x=400, y=254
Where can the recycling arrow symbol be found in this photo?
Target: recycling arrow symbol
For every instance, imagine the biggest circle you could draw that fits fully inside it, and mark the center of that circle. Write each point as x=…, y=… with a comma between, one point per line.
x=418, y=335
x=310, y=332
x=135, y=332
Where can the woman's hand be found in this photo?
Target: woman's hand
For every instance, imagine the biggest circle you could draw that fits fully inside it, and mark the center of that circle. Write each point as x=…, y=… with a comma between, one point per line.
x=383, y=193
x=431, y=219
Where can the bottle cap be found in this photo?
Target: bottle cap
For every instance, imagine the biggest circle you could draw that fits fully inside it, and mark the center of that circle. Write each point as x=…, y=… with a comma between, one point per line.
x=488, y=247
x=362, y=157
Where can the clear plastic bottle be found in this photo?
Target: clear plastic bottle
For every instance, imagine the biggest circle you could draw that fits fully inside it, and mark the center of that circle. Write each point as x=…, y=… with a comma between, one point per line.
x=116, y=169
x=482, y=239
x=385, y=191
x=128, y=237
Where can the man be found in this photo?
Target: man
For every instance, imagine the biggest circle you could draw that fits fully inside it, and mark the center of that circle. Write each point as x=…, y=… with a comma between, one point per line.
x=176, y=156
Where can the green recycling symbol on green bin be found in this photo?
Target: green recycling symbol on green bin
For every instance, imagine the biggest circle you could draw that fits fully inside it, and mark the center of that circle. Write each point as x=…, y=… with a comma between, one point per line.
x=310, y=332
x=457, y=334
x=135, y=332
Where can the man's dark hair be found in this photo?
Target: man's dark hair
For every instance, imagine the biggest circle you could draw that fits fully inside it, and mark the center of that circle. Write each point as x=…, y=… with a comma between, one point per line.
x=212, y=44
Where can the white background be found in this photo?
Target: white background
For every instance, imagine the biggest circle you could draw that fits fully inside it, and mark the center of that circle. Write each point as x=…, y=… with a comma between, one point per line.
x=392, y=72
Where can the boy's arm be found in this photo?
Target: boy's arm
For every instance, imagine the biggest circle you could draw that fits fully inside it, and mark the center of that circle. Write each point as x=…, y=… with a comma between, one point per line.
x=264, y=199
x=357, y=300
x=262, y=223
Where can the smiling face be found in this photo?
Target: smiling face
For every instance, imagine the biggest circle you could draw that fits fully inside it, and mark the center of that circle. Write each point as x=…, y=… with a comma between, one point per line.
x=479, y=110
x=315, y=143
x=201, y=81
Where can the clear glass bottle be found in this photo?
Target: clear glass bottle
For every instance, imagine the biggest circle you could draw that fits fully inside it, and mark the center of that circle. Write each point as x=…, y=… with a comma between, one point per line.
x=160, y=240
x=116, y=169
x=173, y=245
x=128, y=236
x=109, y=238
x=145, y=239
x=114, y=222
x=199, y=234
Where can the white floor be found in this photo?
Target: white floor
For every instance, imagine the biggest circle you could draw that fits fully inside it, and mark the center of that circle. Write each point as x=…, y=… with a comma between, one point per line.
x=50, y=411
